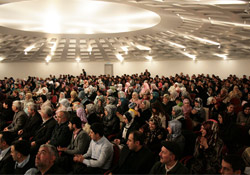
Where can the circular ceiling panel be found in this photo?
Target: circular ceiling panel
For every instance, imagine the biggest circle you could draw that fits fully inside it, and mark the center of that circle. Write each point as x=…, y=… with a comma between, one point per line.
x=75, y=17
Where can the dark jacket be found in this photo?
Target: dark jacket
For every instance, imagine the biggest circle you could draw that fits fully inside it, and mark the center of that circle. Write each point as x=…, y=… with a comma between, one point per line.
x=31, y=126
x=159, y=168
x=7, y=164
x=43, y=134
x=53, y=170
x=61, y=135
x=18, y=122
x=30, y=164
x=131, y=162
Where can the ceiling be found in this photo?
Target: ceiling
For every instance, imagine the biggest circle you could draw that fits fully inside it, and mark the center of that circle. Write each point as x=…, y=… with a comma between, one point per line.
x=123, y=30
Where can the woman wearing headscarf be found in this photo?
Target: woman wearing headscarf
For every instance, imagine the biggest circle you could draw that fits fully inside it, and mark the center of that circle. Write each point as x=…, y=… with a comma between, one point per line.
x=177, y=113
x=110, y=121
x=135, y=99
x=154, y=134
x=198, y=114
x=145, y=88
x=91, y=114
x=83, y=98
x=186, y=108
x=243, y=117
x=73, y=97
x=127, y=127
x=208, y=147
x=80, y=112
x=174, y=134
x=99, y=107
x=145, y=113
x=158, y=111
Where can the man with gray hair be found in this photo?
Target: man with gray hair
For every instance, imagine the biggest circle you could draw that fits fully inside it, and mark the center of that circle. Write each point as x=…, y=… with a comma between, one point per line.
x=61, y=135
x=43, y=134
x=32, y=124
x=45, y=161
x=19, y=118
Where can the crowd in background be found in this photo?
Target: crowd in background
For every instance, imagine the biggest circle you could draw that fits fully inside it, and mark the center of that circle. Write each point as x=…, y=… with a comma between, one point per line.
x=205, y=116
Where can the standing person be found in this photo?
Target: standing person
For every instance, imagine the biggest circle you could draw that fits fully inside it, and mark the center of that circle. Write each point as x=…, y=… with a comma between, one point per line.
x=169, y=164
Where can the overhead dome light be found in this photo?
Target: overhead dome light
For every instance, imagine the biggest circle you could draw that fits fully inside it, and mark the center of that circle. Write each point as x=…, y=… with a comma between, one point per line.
x=224, y=56
x=28, y=49
x=149, y=58
x=119, y=57
x=78, y=59
x=48, y=58
x=1, y=58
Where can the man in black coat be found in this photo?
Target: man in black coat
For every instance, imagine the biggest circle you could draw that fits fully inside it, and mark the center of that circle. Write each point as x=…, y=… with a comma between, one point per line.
x=43, y=134
x=135, y=158
x=20, y=151
x=32, y=124
x=6, y=161
x=61, y=135
x=168, y=164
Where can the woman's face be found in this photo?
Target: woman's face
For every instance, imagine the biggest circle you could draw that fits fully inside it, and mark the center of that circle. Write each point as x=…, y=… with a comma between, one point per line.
x=247, y=110
x=153, y=110
x=196, y=104
x=203, y=131
x=165, y=100
x=106, y=112
x=220, y=119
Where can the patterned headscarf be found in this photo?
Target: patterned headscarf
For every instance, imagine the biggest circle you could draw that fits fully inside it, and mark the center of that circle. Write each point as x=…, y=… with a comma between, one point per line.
x=175, y=126
x=211, y=127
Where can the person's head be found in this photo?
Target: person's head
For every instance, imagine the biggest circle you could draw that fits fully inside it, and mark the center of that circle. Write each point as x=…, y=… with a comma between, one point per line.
x=45, y=157
x=230, y=108
x=209, y=129
x=20, y=149
x=96, y=131
x=135, y=140
x=28, y=96
x=177, y=111
x=174, y=128
x=62, y=117
x=198, y=102
x=46, y=112
x=43, y=98
x=127, y=117
x=166, y=98
x=135, y=95
x=246, y=109
x=64, y=103
x=170, y=152
x=6, y=139
x=7, y=104
x=73, y=94
x=186, y=102
x=75, y=123
x=16, y=106
x=31, y=108
x=154, y=123
x=232, y=164
x=90, y=109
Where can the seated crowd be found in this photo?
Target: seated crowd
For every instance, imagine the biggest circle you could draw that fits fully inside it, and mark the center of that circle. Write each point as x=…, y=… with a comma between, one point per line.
x=129, y=124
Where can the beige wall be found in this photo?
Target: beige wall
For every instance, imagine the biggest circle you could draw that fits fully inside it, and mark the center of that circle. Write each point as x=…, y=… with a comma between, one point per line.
x=167, y=68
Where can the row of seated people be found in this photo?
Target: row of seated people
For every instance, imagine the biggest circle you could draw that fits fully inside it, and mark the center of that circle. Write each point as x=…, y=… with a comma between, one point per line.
x=156, y=118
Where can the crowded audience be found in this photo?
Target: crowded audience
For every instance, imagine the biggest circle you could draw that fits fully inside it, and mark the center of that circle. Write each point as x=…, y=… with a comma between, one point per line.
x=127, y=124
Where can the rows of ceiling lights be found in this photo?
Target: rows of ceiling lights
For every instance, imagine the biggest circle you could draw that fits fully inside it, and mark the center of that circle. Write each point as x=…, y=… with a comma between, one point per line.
x=170, y=43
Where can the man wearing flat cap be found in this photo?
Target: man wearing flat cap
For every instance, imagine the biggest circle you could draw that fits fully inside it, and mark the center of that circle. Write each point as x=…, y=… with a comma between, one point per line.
x=169, y=164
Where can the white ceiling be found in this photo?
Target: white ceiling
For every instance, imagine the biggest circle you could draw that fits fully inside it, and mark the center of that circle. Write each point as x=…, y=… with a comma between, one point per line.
x=133, y=30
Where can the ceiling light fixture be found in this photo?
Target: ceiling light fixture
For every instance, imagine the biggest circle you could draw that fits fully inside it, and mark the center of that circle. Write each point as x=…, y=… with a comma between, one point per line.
x=224, y=56
x=29, y=49
x=1, y=58
x=149, y=58
x=189, y=55
x=48, y=58
x=221, y=2
x=143, y=47
x=125, y=49
x=78, y=59
x=119, y=57
x=89, y=49
x=177, y=45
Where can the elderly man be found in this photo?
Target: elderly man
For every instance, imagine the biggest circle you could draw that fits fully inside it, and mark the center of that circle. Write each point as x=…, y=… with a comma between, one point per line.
x=45, y=160
x=99, y=156
x=168, y=163
x=43, y=134
x=61, y=135
x=20, y=151
x=32, y=124
x=19, y=118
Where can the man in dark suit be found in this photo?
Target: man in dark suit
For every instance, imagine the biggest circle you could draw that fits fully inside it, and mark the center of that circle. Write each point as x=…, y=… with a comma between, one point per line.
x=43, y=134
x=20, y=152
x=32, y=124
x=19, y=118
x=135, y=158
x=6, y=161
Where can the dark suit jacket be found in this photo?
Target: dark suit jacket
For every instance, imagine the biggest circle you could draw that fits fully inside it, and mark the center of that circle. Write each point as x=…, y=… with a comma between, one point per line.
x=7, y=164
x=80, y=144
x=30, y=164
x=159, y=168
x=43, y=134
x=31, y=126
x=18, y=122
x=131, y=162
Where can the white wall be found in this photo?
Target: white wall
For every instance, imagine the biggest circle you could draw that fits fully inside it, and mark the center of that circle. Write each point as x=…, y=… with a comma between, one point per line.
x=167, y=68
